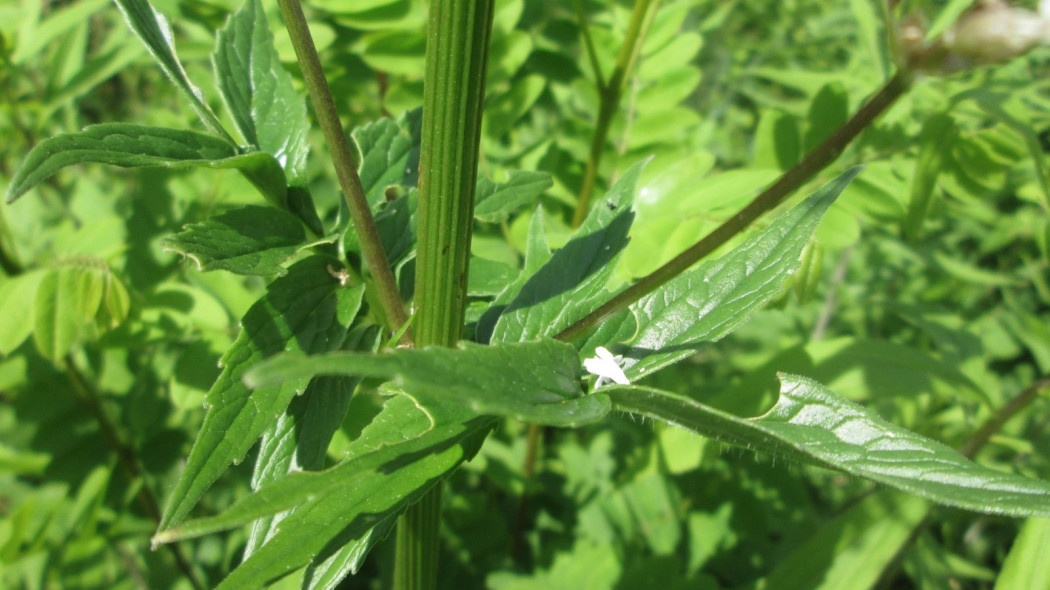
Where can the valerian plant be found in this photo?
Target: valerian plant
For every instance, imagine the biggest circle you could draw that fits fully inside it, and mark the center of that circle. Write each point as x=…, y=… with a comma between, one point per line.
x=383, y=291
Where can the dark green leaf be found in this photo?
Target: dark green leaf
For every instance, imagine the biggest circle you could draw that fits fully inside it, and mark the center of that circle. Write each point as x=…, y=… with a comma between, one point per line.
x=709, y=301
x=346, y=501
x=496, y=201
x=133, y=146
x=155, y=32
x=533, y=381
x=812, y=424
x=305, y=310
x=251, y=240
x=258, y=91
x=567, y=287
x=299, y=439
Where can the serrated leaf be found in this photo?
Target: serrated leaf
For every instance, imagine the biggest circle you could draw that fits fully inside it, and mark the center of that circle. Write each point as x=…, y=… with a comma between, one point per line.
x=537, y=254
x=299, y=439
x=534, y=381
x=345, y=501
x=496, y=201
x=389, y=155
x=252, y=240
x=155, y=32
x=811, y=423
x=566, y=288
x=708, y=302
x=135, y=146
x=258, y=91
x=305, y=310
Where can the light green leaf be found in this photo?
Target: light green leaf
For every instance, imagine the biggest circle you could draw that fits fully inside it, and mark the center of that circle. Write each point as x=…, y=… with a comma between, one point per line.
x=496, y=201
x=305, y=310
x=154, y=31
x=66, y=303
x=935, y=141
x=258, y=91
x=568, y=286
x=389, y=155
x=856, y=548
x=534, y=381
x=252, y=240
x=488, y=277
x=811, y=424
x=708, y=302
x=134, y=146
x=1026, y=566
x=18, y=293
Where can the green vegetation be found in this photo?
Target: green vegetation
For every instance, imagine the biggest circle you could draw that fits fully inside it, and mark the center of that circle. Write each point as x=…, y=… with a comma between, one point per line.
x=524, y=294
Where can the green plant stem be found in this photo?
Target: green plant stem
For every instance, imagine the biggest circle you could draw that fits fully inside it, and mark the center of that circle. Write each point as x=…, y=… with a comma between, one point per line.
x=458, y=34
x=609, y=94
x=345, y=168
x=127, y=460
x=814, y=162
x=1009, y=410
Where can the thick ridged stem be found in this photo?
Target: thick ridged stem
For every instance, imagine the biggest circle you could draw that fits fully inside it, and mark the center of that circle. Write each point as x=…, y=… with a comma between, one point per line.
x=453, y=98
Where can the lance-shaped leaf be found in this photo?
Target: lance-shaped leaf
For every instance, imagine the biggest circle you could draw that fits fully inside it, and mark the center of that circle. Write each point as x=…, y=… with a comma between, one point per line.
x=251, y=240
x=258, y=91
x=305, y=310
x=495, y=201
x=299, y=439
x=810, y=423
x=566, y=288
x=533, y=381
x=155, y=32
x=344, y=502
x=708, y=302
x=137, y=146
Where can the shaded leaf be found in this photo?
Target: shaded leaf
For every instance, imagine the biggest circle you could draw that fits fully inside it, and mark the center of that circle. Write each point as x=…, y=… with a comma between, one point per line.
x=566, y=288
x=812, y=424
x=496, y=201
x=134, y=146
x=252, y=240
x=305, y=310
x=533, y=381
x=258, y=91
x=708, y=302
x=856, y=548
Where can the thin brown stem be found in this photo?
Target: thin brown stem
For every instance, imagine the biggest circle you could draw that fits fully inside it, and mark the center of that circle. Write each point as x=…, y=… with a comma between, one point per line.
x=609, y=96
x=127, y=460
x=345, y=168
x=1005, y=413
x=814, y=162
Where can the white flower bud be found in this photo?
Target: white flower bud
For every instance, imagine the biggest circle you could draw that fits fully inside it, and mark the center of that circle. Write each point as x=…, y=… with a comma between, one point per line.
x=997, y=32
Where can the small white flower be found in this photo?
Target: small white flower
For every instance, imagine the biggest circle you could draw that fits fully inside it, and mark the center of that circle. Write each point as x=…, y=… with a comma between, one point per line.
x=606, y=367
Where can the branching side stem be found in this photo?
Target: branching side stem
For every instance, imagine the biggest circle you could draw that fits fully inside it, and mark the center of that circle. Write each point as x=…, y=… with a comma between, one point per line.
x=345, y=168
x=814, y=162
x=609, y=93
